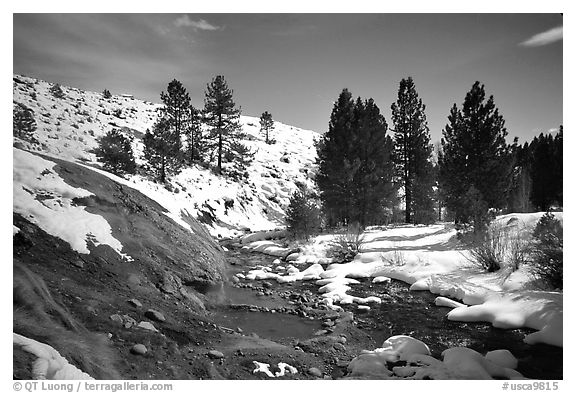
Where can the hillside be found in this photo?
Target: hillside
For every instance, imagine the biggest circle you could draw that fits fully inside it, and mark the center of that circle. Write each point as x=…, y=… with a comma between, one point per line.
x=68, y=128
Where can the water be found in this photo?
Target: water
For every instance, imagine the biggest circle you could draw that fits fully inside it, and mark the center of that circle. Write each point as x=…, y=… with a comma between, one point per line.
x=278, y=327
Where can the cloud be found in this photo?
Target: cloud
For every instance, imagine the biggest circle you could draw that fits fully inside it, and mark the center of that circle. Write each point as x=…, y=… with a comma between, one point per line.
x=185, y=21
x=545, y=38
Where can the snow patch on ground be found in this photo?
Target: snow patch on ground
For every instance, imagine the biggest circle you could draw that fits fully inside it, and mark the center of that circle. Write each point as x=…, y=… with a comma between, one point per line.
x=43, y=198
x=49, y=364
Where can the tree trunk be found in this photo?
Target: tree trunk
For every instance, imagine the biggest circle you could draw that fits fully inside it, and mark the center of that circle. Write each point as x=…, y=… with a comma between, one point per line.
x=163, y=170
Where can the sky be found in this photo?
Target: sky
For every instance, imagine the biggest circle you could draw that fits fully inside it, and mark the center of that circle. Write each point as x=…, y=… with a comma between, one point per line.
x=295, y=65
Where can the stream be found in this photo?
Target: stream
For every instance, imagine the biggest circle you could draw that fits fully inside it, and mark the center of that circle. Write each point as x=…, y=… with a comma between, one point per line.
x=240, y=307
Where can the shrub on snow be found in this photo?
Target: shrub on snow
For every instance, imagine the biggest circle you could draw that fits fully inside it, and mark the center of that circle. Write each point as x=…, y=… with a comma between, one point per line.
x=346, y=246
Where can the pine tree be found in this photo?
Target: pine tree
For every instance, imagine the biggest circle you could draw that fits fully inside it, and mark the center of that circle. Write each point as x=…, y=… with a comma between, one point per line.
x=162, y=149
x=356, y=171
x=115, y=152
x=412, y=152
x=475, y=161
x=374, y=190
x=56, y=91
x=223, y=118
x=23, y=123
x=303, y=214
x=106, y=94
x=195, y=141
x=266, y=126
x=336, y=167
x=177, y=109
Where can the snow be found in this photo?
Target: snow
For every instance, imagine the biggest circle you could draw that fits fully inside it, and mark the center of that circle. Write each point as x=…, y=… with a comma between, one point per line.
x=43, y=198
x=285, y=368
x=49, y=364
x=441, y=301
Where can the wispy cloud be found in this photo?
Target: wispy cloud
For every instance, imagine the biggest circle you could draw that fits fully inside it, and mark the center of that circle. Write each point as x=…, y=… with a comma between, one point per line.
x=185, y=21
x=544, y=38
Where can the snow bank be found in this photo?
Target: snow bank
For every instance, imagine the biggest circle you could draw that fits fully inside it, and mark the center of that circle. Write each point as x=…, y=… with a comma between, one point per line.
x=456, y=363
x=534, y=309
x=267, y=247
x=43, y=198
x=49, y=364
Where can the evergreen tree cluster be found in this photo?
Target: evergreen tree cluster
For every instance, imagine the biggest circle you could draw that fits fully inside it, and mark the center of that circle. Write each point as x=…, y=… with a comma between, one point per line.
x=475, y=162
x=362, y=168
x=185, y=135
x=356, y=171
x=537, y=178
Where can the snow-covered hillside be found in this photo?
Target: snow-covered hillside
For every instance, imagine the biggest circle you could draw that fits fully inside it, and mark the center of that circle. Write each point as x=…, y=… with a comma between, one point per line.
x=68, y=128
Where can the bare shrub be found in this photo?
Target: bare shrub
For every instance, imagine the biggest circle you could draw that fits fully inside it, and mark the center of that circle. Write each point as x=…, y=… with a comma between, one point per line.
x=499, y=246
x=397, y=258
x=347, y=245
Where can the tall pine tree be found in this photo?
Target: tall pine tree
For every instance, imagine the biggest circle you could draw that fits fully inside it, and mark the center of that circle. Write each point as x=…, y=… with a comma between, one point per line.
x=374, y=190
x=412, y=153
x=177, y=110
x=223, y=118
x=336, y=167
x=475, y=160
x=195, y=140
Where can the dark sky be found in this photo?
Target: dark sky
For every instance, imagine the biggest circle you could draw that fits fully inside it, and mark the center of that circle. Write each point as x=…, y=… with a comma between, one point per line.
x=295, y=65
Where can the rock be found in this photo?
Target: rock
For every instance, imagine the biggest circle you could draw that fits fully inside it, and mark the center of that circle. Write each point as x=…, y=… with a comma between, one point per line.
x=135, y=303
x=267, y=284
x=502, y=357
x=339, y=347
x=235, y=279
x=116, y=318
x=128, y=321
x=363, y=309
x=328, y=323
x=78, y=263
x=342, y=363
x=155, y=315
x=315, y=372
x=139, y=349
x=320, y=332
x=147, y=326
x=213, y=354
x=342, y=340
x=292, y=257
